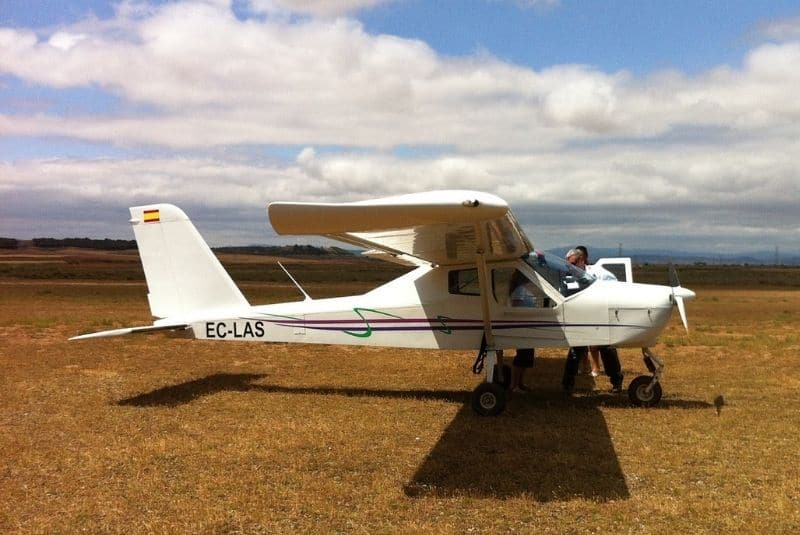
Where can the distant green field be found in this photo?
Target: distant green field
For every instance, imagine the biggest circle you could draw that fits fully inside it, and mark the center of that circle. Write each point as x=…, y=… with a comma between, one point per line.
x=72, y=264
x=732, y=277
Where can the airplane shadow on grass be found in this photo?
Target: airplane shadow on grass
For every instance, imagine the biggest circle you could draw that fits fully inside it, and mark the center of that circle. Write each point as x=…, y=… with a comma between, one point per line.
x=183, y=393
x=545, y=446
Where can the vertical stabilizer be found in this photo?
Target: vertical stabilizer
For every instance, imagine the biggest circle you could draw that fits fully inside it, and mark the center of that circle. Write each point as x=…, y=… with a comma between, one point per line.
x=183, y=275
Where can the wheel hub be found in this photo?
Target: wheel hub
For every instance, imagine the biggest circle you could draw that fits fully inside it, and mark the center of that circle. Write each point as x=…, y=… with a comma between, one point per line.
x=644, y=393
x=488, y=400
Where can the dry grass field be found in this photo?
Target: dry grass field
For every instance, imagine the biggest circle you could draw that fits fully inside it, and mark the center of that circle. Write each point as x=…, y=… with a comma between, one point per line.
x=160, y=434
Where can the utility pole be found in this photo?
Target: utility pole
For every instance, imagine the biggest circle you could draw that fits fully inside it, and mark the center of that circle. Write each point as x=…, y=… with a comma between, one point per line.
x=619, y=253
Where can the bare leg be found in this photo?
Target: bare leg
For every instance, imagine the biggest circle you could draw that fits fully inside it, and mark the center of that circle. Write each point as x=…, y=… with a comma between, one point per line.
x=585, y=366
x=594, y=358
x=517, y=376
x=522, y=361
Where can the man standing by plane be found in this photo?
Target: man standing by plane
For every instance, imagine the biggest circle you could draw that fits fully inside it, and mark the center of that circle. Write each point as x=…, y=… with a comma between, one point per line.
x=608, y=354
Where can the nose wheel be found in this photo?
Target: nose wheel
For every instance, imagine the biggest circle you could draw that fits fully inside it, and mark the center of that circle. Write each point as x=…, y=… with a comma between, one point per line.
x=645, y=390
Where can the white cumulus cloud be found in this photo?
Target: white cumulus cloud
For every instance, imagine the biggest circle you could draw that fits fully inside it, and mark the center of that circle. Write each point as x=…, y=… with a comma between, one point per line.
x=368, y=115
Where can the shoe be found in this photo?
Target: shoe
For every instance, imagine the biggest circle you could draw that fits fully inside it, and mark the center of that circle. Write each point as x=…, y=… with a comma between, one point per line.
x=595, y=374
x=524, y=388
x=616, y=389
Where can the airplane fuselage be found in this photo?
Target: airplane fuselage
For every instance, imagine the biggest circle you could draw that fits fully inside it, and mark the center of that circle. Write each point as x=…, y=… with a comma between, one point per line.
x=396, y=315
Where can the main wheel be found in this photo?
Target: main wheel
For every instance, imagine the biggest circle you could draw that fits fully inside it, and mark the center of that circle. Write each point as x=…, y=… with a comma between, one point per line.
x=638, y=392
x=502, y=375
x=489, y=399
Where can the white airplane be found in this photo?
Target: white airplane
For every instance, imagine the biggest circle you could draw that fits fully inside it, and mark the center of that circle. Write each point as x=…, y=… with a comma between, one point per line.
x=466, y=246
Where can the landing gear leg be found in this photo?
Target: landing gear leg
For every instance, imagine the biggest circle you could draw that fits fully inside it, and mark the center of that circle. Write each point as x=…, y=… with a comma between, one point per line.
x=489, y=398
x=645, y=391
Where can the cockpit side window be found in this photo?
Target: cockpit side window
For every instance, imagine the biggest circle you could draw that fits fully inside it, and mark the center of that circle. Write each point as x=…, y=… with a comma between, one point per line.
x=513, y=289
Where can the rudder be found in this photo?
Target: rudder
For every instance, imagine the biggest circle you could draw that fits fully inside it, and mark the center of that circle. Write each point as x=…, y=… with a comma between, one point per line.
x=183, y=274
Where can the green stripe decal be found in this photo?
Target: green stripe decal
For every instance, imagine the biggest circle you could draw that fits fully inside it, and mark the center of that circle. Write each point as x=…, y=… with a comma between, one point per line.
x=367, y=333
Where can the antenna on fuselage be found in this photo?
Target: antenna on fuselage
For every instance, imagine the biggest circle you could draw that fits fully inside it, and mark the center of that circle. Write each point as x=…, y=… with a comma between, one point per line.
x=307, y=297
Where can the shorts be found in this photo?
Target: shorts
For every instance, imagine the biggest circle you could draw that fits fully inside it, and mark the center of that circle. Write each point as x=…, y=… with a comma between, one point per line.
x=524, y=358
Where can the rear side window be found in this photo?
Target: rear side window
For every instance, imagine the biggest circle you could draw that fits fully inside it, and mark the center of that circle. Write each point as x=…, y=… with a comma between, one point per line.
x=464, y=282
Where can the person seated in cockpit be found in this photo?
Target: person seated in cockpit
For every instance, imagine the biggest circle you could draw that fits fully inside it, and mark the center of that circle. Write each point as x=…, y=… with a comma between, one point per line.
x=521, y=294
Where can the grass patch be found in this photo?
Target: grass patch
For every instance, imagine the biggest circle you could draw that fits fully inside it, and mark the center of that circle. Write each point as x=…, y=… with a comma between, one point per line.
x=158, y=434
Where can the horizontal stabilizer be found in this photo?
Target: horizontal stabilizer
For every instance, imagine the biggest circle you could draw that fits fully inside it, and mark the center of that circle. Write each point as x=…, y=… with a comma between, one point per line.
x=131, y=330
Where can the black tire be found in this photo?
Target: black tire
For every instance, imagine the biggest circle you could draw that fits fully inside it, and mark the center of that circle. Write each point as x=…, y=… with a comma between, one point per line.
x=502, y=375
x=489, y=399
x=638, y=394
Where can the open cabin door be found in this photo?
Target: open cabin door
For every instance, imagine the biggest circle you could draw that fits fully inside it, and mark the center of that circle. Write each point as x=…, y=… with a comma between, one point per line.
x=528, y=312
x=620, y=267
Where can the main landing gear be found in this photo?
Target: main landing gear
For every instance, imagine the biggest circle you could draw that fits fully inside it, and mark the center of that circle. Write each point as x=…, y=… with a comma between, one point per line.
x=645, y=391
x=489, y=398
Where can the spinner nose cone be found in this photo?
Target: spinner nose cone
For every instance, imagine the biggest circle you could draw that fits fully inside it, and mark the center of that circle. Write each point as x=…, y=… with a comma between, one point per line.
x=684, y=293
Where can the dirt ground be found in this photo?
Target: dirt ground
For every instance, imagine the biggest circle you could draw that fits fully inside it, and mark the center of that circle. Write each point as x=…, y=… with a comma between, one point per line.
x=161, y=434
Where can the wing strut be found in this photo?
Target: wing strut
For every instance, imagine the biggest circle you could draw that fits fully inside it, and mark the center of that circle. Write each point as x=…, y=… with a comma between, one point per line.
x=483, y=283
x=307, y=297
x=488, y=398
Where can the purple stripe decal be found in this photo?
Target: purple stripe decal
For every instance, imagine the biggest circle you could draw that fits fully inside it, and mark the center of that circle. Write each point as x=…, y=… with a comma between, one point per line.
x=542, y=325
x=441, y=324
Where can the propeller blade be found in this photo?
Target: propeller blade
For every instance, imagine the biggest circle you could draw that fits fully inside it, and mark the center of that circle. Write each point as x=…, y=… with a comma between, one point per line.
x=673, y=277
x=682, y=311
x=680, y=293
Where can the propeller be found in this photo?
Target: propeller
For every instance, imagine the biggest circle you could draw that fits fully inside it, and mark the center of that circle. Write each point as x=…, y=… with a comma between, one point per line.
x=679, y=293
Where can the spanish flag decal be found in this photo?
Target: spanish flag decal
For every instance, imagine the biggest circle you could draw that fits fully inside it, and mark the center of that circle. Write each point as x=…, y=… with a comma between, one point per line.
x=152, y=216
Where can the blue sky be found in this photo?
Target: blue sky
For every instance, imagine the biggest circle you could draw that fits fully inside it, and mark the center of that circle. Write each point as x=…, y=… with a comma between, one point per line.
x=618, y=35
x=658, y=124
x=639, y=36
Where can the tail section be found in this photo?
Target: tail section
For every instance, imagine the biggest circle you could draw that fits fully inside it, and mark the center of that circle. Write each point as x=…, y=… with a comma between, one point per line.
x=182, y=273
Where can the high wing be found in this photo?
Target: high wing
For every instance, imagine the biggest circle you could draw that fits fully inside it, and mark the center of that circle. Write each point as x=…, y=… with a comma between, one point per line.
x=438, y=227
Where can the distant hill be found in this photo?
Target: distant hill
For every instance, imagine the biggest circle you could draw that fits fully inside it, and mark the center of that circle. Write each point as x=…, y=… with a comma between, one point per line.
x=84, y=243
x=639, y=256
x=284, y=250
x=127, y=245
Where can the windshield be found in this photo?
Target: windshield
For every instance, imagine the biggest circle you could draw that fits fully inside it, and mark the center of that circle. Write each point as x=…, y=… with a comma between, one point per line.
x=567, y=278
